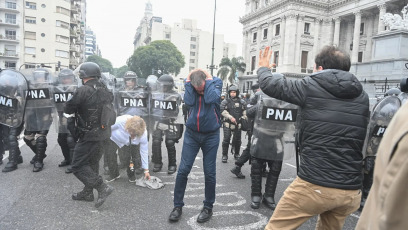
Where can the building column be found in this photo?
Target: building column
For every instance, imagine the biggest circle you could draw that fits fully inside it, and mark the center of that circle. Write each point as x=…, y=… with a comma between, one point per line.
x=356, y=36
x=370, y=33
x=383, y=10
x=316, y=33
x=290, y=33
x=282, y=41
x=336, y=37
x=270, y=33
x=299, y=32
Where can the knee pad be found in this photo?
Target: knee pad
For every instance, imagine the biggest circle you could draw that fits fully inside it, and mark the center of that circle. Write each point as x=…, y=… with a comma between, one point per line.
x=170, y=143
x=275, y=167
x=256, y=166
x=41, y=141
x=71, y=141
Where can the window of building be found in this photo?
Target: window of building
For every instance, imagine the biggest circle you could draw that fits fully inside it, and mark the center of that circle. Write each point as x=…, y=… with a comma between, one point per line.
x=192, y=46
x=11, y=18
x=167, y=36
x=30, y=20
x=256, y=5
x=253, y=62
x=192, y=54
x=362, y=29
x=193, y=39
x=29, y=50
x=63, y=39
x=192, y=60
x=61, y=53
x=276, y=58
x=29, y=66
x=42, y=35
x=266, y=2
x=42, y=50
x=277, y=30
x=265, y=33
x=11, y=34
x=303, y=62
x=43, y=19
x=10, y=64
x=62, y=24
x=11, y=5
x=254, y=37
x=10, y=50
x=43, y=5
x=31, y=5
x=30, y=35
x=360, y=57
x=191, y=68
x=307, y=28
x=63, y=10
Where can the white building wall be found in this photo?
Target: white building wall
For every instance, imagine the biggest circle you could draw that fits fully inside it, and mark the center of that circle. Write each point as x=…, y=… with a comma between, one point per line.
x=181, y=38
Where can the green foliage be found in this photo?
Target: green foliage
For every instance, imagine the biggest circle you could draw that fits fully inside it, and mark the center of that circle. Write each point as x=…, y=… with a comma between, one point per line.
x=159, y=55
x=119, y=72
x=230, y=67
x=104, y=64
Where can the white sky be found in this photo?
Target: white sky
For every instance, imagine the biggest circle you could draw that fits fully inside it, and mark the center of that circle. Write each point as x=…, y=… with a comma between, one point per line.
x=115, y=22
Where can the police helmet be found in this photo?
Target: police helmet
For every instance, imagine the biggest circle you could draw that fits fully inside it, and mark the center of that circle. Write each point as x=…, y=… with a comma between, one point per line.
x=233, y=88
x=166, y=82
x=255, y=86
x=223, y=95
x=404, y=85
x=130, y=75
x=66, y=74
x=151, y=82
x=89, y=70
x=41, y=73
x=8, y=82
x=392, y=92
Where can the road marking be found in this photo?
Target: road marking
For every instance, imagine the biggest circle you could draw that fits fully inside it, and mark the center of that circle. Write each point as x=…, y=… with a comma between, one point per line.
x=290, y=179
x=354, y=215
x=201, y=186
x=290, y=165
x=240, y=201
x=260, y=224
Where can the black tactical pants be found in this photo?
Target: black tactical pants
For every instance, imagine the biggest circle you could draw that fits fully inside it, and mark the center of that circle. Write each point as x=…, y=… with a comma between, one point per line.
x=4, y=138
x=246, y=155
x=236, y=141
x=156, y=148
x=275, y=167
x=37, y=141
x=67, y=144
x=85, y=164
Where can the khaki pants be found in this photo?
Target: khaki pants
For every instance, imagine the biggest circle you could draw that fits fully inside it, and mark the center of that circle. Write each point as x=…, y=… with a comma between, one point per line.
x=303, y=200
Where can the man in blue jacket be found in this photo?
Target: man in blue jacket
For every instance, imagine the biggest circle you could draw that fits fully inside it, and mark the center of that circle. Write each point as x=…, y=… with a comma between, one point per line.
x=202, y=95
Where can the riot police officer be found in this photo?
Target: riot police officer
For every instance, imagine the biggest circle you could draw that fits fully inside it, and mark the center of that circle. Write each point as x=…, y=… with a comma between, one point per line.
x=40, y=111
x=13, y=87
x=88, y=104
x=165, y=104
x=380, y=118
x=233, y=110
x=62, y=92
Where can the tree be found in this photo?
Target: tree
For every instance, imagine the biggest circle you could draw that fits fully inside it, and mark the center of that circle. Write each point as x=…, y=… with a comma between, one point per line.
x=119, y=72
x=230, y=67
x=159, y=55
x=104, y=64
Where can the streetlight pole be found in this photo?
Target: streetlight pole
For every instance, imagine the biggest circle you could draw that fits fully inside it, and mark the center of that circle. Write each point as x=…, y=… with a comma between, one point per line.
x=212, y=67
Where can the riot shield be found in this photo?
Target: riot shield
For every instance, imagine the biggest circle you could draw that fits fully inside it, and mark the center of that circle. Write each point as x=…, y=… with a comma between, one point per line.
x=13, y=86
x=273, y=136
x=63, y=91
x=132, y=102
x=40, y=106
x=381, y=116
x=109, y=81
x=403, y=97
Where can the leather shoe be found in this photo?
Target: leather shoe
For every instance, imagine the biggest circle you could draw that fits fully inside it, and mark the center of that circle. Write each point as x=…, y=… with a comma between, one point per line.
x=172, y=169
x=84, y=196
x=103, y=192
x=157, y=167
x=237, y=171
x=256, y=202
x=176, y=214
x=224, y=158
x=205, y=215
x=269, y=202
x=63, y=163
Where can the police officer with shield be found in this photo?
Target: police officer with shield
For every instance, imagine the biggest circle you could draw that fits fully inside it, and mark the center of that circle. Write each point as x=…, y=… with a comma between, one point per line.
x=40, y=110
x=273, y=127
x=380, y=118
x=165, y=104
x=13, y=86
x=64, y=90
x=87, y=104
x=233, y=111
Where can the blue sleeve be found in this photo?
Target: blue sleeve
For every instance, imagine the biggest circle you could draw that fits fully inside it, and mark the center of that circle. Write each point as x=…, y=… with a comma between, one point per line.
x=212, y=90
x=190, y=94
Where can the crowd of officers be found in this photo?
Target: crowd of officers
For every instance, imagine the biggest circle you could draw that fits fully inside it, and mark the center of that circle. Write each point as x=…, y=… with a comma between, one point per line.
x=157, y=103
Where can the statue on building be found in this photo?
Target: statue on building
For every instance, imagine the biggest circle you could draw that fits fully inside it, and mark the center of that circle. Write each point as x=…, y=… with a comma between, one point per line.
x=395, y=21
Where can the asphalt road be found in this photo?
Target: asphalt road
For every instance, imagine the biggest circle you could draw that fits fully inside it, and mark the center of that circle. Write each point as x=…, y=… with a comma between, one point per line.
x=42, y=200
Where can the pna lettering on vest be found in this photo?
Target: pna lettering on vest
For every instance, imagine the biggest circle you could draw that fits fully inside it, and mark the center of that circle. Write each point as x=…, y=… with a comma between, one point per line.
x=33, y=94
x=8, y=102
x=62, y=97
x=278, y=114
x=133, y=102
x=379, y=131
x=165, y=105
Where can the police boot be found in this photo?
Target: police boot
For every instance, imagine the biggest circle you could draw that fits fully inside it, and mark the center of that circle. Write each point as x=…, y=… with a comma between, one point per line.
x=224, y=152
x=237, y=171
x=33, y=147
x=256, y=191
x=270, y=188
x=13, y=161
x=85, y=195
x=71, y=157
x=237, y=149
x=104, y=190
x=156, y=155
x=41, y=147
x=171, y=150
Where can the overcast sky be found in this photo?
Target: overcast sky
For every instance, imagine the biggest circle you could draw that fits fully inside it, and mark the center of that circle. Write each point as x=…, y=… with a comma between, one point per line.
x=115, y=22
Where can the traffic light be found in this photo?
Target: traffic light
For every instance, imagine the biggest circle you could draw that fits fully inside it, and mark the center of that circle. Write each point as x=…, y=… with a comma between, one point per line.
x=59, y=65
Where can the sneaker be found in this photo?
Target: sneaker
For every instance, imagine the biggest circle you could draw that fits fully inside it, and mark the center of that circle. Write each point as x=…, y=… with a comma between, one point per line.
x=132, y=179
x=103, y=192
x=110, y=178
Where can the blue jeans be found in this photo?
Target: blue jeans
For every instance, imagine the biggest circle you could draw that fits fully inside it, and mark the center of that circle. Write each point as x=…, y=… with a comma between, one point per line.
x=193, y=141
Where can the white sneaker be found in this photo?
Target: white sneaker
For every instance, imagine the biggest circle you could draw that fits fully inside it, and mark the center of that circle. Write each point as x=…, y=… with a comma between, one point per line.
x=110, y=179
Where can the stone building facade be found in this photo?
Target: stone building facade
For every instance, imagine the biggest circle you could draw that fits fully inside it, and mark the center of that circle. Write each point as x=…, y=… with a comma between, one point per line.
x=297, y=29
